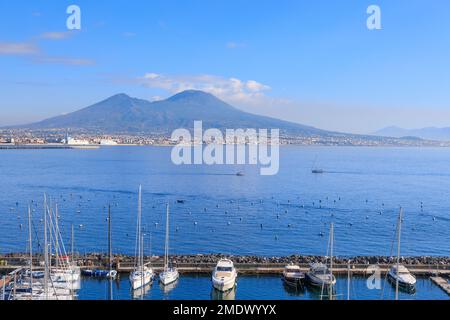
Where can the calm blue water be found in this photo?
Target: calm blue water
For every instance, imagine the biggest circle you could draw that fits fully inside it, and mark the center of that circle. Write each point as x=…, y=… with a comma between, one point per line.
x=361, y=192
x=250, y=288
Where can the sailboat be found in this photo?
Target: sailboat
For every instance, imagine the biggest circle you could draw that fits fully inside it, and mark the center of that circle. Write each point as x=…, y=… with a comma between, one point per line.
x=399, y=275
x=54, y=284
x=315, y=169
x=170, y=273
x=142, y=275
x=110, y=273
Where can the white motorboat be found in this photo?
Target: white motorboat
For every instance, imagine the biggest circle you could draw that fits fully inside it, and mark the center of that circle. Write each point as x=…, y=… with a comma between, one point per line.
x=319, y=275
x=293, y=276
x=398, y=274
x=170, y=273
x=224, y=275
x=401, y=274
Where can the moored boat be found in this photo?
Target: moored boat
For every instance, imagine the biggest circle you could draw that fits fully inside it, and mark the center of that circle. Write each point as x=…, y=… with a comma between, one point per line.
x=293, y=276
x=400, y=273
x=170, y=273
x=224, y=275
x=319, y=275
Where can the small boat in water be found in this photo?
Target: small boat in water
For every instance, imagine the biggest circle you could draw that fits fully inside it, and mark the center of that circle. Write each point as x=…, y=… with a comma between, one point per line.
x=170, y=273
x=316, y=170
x=401, y=274
x=240, y=174
x=224, y=275
x=293, y=276
x=108, y=274
x=319, y=276
x=142, y=275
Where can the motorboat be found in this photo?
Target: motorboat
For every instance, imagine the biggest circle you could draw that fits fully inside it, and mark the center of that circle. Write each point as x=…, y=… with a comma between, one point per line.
x=319, y=276
x=224, y=275
x=293, y=276
x=399, y=273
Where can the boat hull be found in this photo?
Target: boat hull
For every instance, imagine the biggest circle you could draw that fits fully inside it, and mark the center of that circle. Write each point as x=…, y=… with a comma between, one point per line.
x=168, y=277
x=138, y=281
x=404, y=286
x=224, y=285
x=316, y=281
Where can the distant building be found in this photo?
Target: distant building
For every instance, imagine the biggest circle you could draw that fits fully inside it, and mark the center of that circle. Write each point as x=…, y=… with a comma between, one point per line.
x=106, y=142
x=76, y=142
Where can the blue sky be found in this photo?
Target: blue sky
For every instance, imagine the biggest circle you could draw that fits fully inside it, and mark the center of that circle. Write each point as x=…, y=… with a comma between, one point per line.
x=313, y=62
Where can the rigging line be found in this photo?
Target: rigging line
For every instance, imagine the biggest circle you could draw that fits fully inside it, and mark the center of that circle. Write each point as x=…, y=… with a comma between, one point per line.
x=390, y=255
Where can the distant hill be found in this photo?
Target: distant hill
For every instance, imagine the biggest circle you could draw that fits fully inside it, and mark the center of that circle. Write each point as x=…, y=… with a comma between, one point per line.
x=123, y=114
x=430, y=133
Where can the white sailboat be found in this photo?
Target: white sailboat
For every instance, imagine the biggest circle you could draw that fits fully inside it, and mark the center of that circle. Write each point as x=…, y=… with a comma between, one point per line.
x=399, y=275
x=224, y=275
x=142, y=275
x=170, y=273
x=54, y=284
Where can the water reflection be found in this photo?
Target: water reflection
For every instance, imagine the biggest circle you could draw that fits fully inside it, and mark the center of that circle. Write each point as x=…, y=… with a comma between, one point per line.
x=141, y=292
x=294, y=290
x=219, y=295
x=166, y=289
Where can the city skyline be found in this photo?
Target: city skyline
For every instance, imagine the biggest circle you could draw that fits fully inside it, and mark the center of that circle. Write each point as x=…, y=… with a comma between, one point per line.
x=295, y=61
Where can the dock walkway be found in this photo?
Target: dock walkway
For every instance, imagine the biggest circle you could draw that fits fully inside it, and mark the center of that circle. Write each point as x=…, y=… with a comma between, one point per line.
x=442, y=283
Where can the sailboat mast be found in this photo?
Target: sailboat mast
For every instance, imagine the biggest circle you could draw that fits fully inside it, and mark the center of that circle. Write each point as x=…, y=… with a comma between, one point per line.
x=139, y=228
x=71, y=243
x=31, y=250
x=399, y=232
x=166, y=249
x=45, y=249
x=331, y=257
x=109, y=238
x=348, y=280
x=56, y=236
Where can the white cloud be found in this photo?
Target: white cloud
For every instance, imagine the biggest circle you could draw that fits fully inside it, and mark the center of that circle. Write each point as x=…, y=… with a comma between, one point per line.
x=18, y=48
x=55, y=35
x=66, y=61
x=32, y=51
x=232, y=90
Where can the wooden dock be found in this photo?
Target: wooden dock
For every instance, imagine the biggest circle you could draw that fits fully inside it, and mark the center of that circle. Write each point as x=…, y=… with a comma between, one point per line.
x=442, y=283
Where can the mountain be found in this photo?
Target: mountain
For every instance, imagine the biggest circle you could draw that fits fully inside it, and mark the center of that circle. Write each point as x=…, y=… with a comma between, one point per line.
x=123, y=114
x=429, y=133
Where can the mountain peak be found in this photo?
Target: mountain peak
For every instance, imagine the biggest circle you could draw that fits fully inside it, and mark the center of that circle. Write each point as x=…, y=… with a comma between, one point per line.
x=119, y=96
x=191, y=94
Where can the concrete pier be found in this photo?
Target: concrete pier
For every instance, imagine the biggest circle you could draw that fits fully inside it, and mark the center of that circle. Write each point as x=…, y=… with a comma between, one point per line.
x=442, y=283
